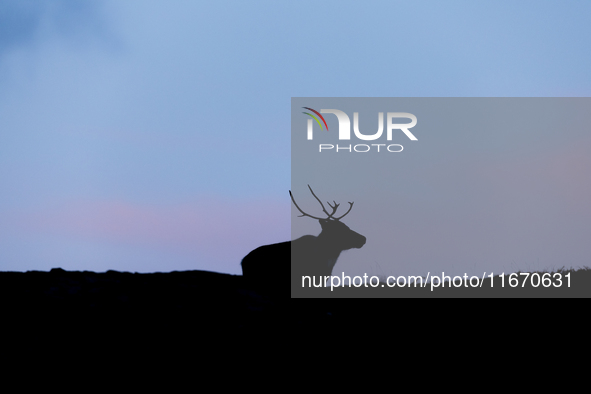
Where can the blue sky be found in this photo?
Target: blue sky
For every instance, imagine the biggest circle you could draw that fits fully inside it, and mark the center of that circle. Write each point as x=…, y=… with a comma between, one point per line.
x=155, y=136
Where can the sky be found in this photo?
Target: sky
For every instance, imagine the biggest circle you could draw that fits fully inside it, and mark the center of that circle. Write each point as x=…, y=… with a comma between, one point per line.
x=154, y=136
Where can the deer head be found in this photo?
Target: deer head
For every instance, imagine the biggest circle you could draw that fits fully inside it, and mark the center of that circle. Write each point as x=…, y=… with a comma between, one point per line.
x=335, y=232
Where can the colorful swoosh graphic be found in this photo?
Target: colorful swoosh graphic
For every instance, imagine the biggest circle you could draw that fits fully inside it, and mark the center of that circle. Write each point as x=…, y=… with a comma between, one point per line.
x=315, y=118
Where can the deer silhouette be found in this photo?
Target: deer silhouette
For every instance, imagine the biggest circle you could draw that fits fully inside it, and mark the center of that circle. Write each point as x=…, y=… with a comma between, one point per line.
x=310, y=255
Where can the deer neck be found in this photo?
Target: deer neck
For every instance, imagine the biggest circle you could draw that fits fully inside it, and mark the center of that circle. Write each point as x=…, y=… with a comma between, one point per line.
x=329, y=251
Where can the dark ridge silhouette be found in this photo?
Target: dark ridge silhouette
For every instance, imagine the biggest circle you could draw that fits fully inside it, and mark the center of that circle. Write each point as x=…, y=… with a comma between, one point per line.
x=180, y=305
x=265, y=268
x=190, y=301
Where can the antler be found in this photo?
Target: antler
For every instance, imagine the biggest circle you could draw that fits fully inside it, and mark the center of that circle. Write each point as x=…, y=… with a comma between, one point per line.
x=329, y=215
x=334, y=207
x=323, y=209
x=350, y=206
x=304, y=213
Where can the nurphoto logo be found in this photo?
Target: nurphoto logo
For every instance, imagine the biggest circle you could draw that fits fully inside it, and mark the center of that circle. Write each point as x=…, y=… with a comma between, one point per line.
x=345, y=130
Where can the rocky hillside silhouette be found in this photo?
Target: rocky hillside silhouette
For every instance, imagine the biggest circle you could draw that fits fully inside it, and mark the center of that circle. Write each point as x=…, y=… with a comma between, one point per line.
x=190, y=300
x=209, y=299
